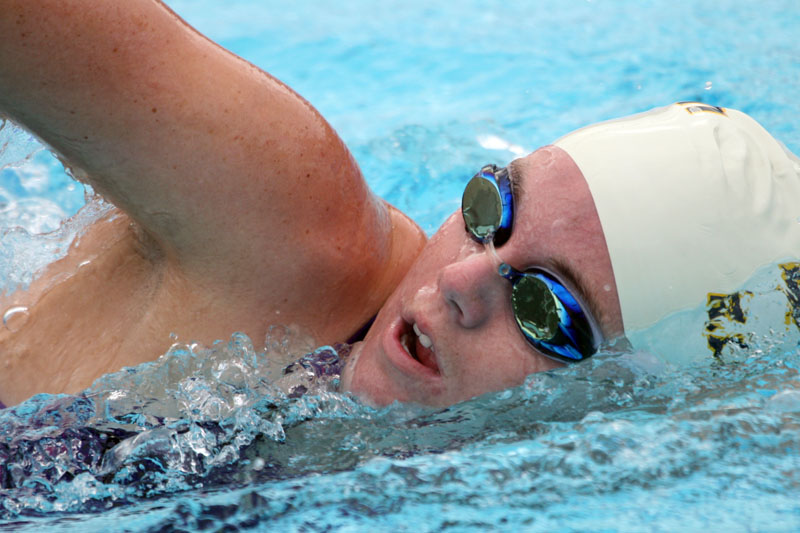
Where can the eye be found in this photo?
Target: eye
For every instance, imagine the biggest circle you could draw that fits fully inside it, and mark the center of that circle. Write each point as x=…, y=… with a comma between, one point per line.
x=487, y=206
x=481, y=208
x=535, y=308
x=550, y=317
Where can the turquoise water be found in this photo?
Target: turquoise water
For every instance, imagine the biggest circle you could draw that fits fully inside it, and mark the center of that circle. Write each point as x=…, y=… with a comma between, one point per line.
x=424, y=93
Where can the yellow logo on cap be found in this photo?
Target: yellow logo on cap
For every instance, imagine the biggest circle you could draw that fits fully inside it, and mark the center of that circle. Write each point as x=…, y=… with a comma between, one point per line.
x=727, y=313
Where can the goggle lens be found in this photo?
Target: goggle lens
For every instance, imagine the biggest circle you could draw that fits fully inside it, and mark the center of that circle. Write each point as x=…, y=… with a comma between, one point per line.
x=482, y=208
x=549, y=316
x=535, y=308
x=487, y=205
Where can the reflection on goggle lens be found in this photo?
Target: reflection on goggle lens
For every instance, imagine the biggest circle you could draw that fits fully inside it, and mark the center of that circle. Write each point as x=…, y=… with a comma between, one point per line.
x=550, y=318
x=535, y=307
x=487, y=205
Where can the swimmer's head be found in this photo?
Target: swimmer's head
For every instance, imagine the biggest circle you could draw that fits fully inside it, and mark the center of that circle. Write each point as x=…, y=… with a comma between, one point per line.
x=450, y=330
x=637, y=218
x=692, y=199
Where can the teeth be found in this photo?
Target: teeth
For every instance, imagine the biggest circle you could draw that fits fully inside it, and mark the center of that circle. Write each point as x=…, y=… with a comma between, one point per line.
x=405, y=341
x=423, y=339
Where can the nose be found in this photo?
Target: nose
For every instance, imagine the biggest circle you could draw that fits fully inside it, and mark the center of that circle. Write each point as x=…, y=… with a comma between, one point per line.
x=471, y=289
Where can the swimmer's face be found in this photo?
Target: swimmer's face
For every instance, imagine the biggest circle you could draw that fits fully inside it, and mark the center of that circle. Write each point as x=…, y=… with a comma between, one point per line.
x=458, y=301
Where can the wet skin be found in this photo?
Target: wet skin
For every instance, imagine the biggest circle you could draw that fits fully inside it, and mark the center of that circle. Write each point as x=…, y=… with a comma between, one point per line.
x=456, y=298
x=130, y=97
x=239, y=206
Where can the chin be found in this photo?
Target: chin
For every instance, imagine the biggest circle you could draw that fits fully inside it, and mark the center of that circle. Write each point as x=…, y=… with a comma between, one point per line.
x=375, y=389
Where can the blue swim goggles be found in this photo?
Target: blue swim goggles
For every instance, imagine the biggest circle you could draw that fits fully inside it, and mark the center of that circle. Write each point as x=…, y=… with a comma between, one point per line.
x=550, y=318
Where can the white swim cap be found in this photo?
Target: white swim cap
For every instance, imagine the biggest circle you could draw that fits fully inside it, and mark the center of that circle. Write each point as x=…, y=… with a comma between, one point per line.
x=692, y=198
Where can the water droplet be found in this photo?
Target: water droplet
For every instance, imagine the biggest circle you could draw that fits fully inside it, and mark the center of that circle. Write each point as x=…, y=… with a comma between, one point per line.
x=607, y=287
x=505, y=395
x=15, y=317
x=173, y=336
x=708, y=86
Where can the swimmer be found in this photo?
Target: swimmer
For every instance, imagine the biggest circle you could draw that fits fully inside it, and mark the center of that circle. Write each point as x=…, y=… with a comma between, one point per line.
x=239, y=207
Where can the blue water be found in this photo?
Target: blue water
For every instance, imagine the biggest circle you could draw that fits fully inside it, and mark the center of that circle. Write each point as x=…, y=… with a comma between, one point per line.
x=424, y=93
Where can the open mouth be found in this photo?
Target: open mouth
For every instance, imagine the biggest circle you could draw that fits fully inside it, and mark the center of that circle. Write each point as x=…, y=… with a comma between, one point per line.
x=419, y=346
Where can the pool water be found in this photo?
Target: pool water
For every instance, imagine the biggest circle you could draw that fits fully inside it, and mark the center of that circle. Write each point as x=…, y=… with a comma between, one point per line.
x=664, y=437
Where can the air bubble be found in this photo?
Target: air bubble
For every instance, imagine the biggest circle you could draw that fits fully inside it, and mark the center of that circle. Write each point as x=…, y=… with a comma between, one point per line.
x=15, y=317
x=708, y=86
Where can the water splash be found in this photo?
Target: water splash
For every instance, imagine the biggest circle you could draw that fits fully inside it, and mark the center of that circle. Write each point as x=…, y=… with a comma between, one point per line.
x=37, y=202
x=17, y=146
x=200, y=418
x=26, y=252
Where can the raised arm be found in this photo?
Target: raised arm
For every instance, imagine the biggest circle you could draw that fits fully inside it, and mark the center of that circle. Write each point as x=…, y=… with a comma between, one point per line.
x=230, y=171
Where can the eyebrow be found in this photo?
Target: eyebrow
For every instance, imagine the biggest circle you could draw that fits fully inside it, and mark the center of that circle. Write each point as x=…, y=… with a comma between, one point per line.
x=514, y=171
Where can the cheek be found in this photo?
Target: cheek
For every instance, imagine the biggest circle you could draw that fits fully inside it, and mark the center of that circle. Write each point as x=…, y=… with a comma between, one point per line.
x=448, y=245
x=498, y=374
x=364, y=378
x=495, y=358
